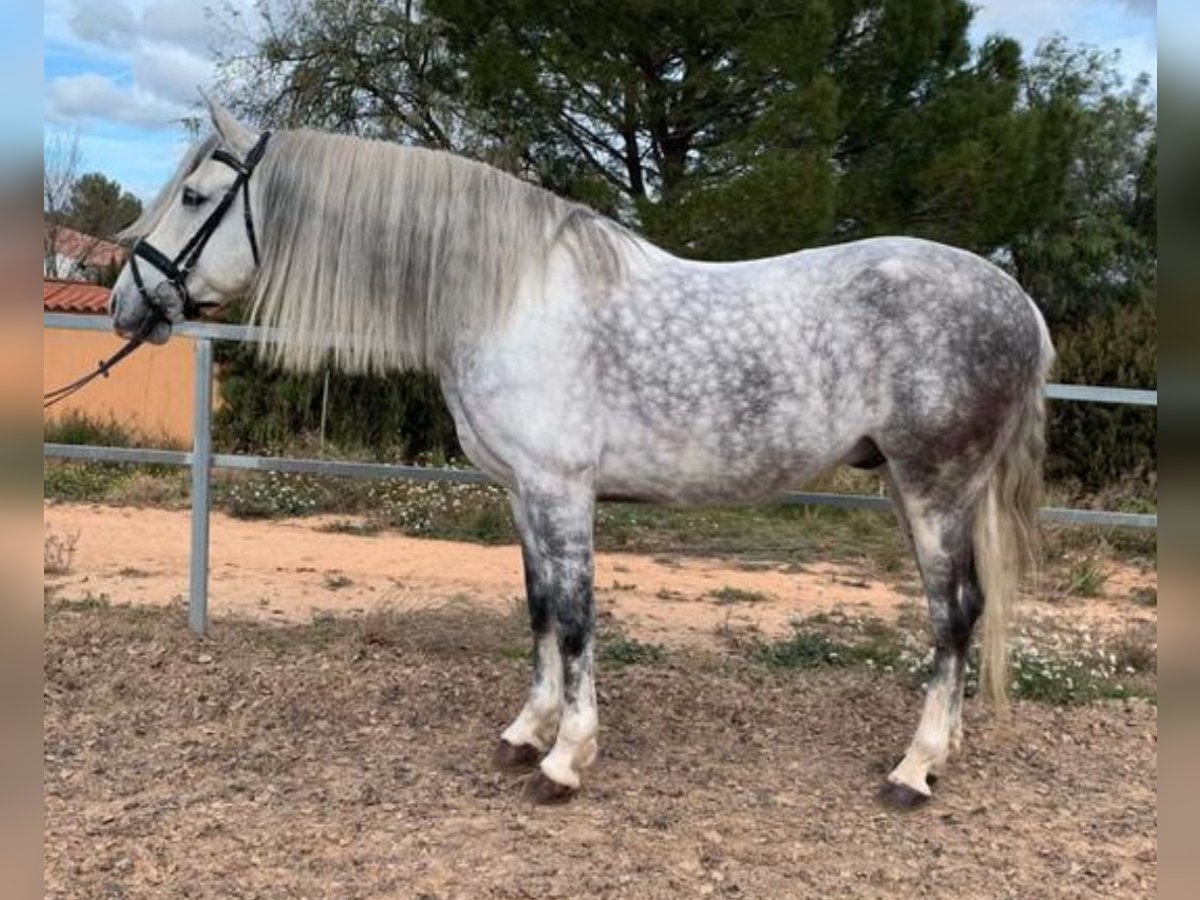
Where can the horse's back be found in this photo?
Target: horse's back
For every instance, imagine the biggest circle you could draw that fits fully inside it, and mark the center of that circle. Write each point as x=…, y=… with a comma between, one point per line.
x=762, y=373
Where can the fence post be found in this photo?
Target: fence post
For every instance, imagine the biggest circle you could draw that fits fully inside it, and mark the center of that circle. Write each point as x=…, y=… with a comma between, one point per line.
x=201, y=474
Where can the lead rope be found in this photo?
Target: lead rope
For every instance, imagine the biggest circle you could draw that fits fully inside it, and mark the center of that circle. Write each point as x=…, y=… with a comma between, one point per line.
x=102, y=368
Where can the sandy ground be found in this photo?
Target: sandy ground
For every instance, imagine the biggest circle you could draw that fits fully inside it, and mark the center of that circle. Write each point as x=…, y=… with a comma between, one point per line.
x=349, y=758
x=288, y=570
x=339, y=761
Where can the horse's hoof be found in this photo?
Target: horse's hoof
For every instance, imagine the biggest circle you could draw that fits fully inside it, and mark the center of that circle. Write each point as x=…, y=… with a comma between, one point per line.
x=515, y=757
x=931, y=778
x=545, y=791
x=901, y=796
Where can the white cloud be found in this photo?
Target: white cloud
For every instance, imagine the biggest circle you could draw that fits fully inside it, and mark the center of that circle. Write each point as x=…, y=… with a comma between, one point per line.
x=148, y=58
x=181, y=23
x=76, y=98
x=109, y=24
x=122, y=25
x=170, y=72
x=1142, y=7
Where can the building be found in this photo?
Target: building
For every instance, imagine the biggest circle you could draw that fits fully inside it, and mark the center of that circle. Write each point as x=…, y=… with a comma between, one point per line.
x=71, y=254
x=149, y=393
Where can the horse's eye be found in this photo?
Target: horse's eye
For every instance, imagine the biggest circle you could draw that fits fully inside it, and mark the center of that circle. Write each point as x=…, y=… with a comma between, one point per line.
x=191, y=198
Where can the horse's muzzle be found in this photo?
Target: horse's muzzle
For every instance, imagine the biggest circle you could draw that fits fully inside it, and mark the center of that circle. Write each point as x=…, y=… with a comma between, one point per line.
x=170, y=301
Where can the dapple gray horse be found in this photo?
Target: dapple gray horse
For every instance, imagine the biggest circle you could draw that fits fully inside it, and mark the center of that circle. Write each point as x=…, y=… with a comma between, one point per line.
x=582, y=363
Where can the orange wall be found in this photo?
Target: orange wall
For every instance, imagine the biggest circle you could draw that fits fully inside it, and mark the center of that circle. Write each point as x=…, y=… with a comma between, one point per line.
x=149, y=392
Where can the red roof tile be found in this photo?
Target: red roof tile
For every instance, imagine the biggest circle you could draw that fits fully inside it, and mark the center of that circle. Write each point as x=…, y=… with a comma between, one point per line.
x=88, y=249
x=74, y=297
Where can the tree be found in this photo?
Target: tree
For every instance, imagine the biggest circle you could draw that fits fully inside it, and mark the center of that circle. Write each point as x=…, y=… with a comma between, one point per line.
x=642, y=109
x=719, y=129
x=728, y=128
x=99, y=207
x=60, y=163
x=375, y=68
x=1092, y=243
x=93, y=205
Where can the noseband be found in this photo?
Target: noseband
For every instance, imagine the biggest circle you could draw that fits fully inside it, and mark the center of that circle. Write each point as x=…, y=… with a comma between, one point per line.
x=176, y=271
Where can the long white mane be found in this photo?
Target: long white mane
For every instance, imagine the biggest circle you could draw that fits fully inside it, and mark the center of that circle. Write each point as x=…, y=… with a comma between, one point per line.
x=392, y=250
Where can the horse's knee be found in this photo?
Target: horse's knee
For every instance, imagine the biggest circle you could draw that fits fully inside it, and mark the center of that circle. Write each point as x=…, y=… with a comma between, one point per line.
x=574, y=632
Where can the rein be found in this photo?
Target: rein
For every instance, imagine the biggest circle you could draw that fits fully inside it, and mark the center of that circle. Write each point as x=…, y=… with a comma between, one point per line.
x=170, y=301
x=102, y=368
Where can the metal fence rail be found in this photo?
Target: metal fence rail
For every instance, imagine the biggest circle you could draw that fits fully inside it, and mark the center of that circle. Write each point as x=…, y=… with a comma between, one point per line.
x=202, y=460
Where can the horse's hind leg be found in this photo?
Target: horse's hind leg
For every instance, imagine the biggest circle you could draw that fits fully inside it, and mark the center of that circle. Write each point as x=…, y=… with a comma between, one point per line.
x=942, y=538
x=560, y=714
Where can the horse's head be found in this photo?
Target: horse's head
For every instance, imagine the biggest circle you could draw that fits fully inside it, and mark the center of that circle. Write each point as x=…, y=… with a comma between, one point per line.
x=195, y=243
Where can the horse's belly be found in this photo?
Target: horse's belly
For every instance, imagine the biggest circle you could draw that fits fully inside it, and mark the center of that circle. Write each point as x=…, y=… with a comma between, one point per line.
x=712, y=466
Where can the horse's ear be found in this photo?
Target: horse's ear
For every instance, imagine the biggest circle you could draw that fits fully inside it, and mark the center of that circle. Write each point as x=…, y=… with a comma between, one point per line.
x=236, y=136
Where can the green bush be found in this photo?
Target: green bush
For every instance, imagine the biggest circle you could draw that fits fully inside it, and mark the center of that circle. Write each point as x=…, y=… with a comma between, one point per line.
x=270, y=496
x=81, y=482
x=76, y=427
x=390, y=417
x=1098, y=445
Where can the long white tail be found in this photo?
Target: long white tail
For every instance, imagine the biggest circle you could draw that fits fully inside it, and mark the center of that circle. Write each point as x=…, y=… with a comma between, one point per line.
x=1006, y=535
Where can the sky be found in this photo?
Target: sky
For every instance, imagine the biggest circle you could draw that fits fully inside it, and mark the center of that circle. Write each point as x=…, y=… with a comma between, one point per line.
x=120, y=75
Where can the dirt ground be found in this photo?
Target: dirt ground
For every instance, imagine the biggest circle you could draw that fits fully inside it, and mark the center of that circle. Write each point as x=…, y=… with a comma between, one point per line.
x=290, y=756
x=289, y=570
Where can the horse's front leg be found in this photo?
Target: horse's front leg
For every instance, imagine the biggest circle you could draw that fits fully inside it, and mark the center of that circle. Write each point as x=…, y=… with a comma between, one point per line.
x=560, y=714
x=532, y=733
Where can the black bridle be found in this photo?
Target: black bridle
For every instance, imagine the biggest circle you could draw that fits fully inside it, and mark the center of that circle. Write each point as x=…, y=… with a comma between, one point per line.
x=175, y=271
x=170, y=301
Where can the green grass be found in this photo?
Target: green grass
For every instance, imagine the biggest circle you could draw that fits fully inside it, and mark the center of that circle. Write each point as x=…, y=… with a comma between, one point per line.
x=1061, y=667
x=619, y=650
x=335, y=581
x=823, y=641
x=803, y=650
x=1071, y=682
x=1084, y=579
x=77, y=428
x=122, y=485
x=366, y=528
x=765, y=535
x=1144, y=596
x=83, y=482
x=87, y=603
x=1061, y=541
x=729, y=596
